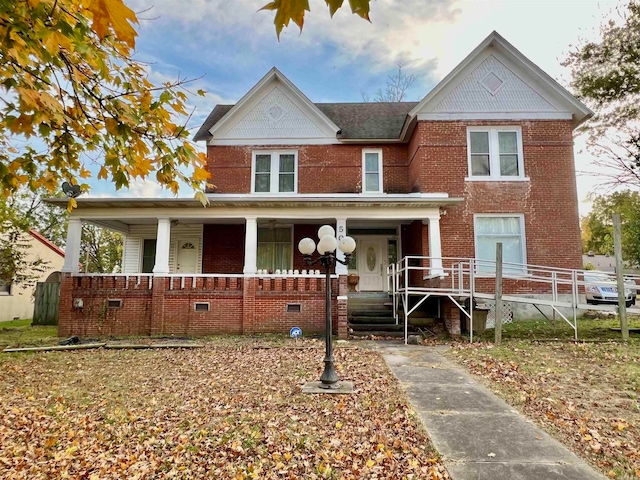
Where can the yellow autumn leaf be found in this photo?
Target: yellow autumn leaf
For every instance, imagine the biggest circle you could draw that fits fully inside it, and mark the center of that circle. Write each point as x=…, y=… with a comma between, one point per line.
x=338, y=424
x=113, y=15
x=103, y=173
x=370, y=463
x=200, y=174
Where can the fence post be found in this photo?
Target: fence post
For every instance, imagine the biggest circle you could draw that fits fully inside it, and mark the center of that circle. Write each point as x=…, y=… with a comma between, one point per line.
x=498, y=306
x=622, y=297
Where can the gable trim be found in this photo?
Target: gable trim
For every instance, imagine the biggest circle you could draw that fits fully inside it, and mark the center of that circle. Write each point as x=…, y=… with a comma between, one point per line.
x=275, y=74
x=580, y=113
x=496, y=116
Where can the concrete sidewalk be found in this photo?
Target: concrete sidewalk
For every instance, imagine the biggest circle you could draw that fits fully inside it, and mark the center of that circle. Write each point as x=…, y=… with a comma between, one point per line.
x=479, y=436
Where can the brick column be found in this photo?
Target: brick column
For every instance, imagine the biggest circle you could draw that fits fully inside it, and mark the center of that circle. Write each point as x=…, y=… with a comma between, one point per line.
x=249, y=285
x=160, y=285
x=451, y=315
x=65, y=307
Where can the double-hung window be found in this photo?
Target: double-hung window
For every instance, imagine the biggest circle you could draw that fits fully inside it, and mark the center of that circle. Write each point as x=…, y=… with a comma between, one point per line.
x=275, y=172
x=372, y=171
x=505, y=229
x=495, y=153
x=5, y=287
x=275, y=249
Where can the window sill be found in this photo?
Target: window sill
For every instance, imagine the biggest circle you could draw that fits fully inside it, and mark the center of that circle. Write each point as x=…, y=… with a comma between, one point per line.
x=497, y=179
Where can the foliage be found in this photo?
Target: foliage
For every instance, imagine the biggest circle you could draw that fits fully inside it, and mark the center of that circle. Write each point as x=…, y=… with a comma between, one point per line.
x=101, y=250
x=395, y=89
x=18, y=266
x=606, y=74
x=223, y=412
x=294, y=10
x=72, y=85
x=35, y=213
x=599, y=223
x=18, y=333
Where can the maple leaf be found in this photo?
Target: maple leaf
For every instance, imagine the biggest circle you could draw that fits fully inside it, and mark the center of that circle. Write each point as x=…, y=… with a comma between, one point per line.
x=116, y=16
x=286, y=11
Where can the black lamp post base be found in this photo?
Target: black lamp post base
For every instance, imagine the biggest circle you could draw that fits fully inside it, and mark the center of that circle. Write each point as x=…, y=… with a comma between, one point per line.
x=337, y=388
x=329, y=377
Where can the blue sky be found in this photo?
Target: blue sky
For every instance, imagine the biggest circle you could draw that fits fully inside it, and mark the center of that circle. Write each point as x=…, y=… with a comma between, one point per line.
x=229, y=45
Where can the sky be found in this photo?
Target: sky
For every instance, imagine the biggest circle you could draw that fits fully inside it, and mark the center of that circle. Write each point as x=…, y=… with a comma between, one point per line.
x=228, y=46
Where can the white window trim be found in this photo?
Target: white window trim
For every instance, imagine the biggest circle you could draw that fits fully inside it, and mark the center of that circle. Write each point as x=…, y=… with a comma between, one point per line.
x=275, y=167
x=9, y=292
x=364, y=156
x=494, y=155
x=523, y=235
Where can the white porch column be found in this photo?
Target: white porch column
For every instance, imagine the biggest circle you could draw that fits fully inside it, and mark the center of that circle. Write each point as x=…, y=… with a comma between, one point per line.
x=251, y=246
x=435, y=246
x=341, y=232
x=163, y=239
x=72, y=250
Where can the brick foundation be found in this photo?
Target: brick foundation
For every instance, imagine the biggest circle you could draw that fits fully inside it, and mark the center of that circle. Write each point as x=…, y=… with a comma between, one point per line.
x=166, y=305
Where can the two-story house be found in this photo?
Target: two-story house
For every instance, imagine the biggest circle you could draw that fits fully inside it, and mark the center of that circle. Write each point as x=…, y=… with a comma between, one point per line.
x=485, y=157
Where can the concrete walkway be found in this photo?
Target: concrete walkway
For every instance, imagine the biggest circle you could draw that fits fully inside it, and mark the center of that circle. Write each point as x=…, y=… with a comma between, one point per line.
x=479, y=436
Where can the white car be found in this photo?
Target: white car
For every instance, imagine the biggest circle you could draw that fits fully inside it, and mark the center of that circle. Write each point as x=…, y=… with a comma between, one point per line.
x=602, y=288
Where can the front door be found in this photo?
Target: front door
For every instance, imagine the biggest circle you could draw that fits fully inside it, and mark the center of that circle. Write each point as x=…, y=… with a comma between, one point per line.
x=187, y=258
x=370, y=264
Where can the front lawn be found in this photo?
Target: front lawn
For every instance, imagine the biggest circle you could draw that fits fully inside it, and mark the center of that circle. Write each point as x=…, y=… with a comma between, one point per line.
x=223, y=411
x=21, y=333
x=586, y=394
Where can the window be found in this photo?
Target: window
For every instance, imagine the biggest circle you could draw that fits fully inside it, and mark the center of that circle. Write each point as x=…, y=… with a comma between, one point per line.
x=5, y=287
x=275, y=172
x=495, y=153
x=372, y=171
x=275, y=250
x=148, y=255
x=509, y=230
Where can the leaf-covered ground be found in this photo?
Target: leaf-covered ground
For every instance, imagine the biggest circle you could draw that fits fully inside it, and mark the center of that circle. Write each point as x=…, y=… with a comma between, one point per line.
x=587, y=395
x=223, y=411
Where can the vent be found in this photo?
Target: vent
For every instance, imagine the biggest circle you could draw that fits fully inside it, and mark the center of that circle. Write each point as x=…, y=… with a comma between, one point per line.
x=201, y=307
x=492, y=83
x=294, y=308
x=114, y=303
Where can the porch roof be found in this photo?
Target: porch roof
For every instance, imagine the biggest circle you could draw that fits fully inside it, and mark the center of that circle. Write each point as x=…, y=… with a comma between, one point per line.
x=411, y=200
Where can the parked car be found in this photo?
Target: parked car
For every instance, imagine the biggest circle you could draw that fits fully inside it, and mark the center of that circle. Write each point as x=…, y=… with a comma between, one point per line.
x=602, y=288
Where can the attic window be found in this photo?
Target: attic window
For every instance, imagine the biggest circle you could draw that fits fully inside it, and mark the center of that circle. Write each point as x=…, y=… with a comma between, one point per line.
x=492, y=83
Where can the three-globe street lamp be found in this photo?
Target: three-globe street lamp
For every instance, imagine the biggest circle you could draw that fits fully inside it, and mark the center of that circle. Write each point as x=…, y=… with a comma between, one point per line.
x=327, y=250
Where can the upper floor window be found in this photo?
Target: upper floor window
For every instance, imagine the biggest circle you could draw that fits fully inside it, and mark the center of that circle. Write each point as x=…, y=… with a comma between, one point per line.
x=275, y=172
x=495, y=153
x=372, y=171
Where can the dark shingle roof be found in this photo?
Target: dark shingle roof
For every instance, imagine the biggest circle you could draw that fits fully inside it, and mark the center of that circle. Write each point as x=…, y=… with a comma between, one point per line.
x=359, y=121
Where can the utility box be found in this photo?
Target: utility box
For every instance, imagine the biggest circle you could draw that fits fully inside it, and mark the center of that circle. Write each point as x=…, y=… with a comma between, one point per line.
x=480, y=319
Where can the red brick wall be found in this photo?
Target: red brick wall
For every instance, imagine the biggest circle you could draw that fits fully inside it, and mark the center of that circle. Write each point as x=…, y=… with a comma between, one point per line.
x=321, y=168
x=222, y=248
x=548, y=201
x=236, y=305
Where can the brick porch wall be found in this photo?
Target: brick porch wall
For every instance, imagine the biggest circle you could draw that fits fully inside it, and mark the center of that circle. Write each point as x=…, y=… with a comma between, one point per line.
x=237, y=305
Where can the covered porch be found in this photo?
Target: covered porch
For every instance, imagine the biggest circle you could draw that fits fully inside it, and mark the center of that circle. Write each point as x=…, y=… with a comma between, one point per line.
x=234, y=267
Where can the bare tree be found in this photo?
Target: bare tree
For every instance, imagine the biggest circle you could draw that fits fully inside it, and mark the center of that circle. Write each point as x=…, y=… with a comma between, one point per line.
x=396, y=88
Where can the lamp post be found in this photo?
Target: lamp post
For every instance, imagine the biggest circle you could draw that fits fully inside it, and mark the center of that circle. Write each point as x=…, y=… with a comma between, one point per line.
x=327, y=250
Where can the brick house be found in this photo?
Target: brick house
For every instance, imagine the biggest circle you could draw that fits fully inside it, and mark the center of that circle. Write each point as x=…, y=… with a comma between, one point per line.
x=486, y=156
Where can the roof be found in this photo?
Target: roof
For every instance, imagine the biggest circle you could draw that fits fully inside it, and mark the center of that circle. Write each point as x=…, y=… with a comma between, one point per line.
x=47, y=242
x=373, y=120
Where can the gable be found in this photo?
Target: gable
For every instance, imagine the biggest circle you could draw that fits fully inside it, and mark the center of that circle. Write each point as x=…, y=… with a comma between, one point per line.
x=274, y=116
x=493, y=87
x=273, y=112
x=497, y=82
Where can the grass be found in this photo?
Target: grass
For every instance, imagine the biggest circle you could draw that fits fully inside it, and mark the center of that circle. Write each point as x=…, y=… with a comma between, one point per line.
x=228, y=410
x=20, y=333
x=586, y=393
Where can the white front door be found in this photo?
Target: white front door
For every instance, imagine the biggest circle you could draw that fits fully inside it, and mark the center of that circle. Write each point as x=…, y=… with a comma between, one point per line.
x=187, y=257
x=371, y=264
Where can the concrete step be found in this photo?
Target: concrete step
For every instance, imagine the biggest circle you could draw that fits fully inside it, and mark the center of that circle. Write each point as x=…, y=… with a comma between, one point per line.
x=372, y=320
x=371, y=313
x=367, y=327
x=377, y=334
